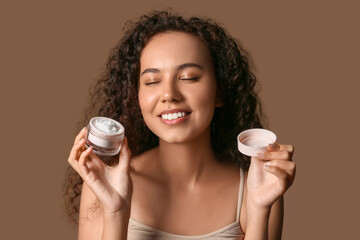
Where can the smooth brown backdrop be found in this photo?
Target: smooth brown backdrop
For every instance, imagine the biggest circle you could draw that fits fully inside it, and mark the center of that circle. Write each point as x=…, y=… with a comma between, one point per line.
x=306, y=55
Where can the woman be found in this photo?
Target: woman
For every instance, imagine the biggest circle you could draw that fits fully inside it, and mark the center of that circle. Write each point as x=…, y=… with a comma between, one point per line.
x=185, y=178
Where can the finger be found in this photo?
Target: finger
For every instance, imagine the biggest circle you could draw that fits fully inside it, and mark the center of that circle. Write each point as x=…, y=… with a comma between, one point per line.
x=81, y=135
x=285, y=179
x=286, y=166
x=272, y=147
x=94, y=161
x=280, y=147
x=124, y=157
x=84, y=169
x=278, y=155
x=288, y=148
x=85, y=162
x=75, y=153
x=76, y=149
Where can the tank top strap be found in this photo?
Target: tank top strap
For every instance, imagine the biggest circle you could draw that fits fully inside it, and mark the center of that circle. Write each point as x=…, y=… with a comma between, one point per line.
x=240, y=197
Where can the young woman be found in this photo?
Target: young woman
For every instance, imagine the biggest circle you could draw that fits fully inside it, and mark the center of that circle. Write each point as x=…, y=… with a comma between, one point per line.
x=185, y=178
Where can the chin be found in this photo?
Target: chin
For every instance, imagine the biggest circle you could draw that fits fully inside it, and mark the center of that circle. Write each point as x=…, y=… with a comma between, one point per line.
x=173, y=139
x=177, y=135
x=178, y=138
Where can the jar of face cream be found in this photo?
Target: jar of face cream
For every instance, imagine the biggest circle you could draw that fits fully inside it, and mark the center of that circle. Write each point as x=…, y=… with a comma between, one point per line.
x=105, y=136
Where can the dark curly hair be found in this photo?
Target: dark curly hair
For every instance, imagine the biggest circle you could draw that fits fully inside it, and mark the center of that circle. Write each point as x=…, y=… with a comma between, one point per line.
x=115, y=94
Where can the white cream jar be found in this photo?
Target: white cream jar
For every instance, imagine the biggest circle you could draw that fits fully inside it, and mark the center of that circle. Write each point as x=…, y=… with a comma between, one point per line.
x=105, y=136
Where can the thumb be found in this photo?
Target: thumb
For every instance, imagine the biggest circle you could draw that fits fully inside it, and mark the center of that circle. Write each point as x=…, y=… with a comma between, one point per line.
x=124, y=157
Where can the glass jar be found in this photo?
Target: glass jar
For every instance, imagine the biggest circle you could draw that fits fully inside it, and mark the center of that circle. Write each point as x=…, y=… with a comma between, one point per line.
x=105, y=136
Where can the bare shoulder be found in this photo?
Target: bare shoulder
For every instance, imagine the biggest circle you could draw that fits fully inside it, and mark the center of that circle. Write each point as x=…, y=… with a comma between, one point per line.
x=90, y=216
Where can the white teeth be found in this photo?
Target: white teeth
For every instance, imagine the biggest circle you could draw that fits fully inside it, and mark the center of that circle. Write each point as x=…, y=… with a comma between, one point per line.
x=172, y=116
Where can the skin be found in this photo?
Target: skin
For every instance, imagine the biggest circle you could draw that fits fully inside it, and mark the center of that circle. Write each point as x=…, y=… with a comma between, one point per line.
x=179, y=183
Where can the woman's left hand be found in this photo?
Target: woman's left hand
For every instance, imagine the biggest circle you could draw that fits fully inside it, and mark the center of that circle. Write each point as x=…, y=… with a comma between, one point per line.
x=270, y=175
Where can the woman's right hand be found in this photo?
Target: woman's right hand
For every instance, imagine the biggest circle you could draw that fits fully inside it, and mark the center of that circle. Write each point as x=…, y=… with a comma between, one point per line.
x=111, y=185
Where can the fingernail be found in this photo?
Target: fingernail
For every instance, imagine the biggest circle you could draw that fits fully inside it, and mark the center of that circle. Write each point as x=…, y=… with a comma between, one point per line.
x=261, y=155
x=274, y=146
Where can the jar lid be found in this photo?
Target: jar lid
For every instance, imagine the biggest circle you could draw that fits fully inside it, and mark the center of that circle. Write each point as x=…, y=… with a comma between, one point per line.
x=253, y=141
x=108, y=128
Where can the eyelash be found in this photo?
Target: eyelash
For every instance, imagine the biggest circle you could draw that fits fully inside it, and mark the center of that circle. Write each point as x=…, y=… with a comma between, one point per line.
x=191, y=79
x=194, y=78
x=149, y=83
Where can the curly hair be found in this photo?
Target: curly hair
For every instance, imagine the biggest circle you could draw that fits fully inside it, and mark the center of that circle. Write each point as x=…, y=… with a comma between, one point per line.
x=115, y=94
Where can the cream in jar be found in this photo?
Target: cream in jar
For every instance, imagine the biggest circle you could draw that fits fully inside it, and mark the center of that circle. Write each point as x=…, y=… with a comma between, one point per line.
x=105, y=136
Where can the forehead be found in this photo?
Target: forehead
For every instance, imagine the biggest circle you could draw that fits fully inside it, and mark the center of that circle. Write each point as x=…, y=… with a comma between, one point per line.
x=174, y=48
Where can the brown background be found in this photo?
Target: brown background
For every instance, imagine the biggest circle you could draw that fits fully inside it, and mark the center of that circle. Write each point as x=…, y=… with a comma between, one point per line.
x=307, y=60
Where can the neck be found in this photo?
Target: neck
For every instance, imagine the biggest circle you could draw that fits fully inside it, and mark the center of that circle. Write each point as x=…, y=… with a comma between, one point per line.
x=185, y=164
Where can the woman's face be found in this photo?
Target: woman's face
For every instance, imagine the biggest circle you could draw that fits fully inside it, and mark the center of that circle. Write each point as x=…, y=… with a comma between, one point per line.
x=177, y=88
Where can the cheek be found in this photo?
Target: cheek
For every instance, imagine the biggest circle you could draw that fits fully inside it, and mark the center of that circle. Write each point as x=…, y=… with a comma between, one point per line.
x=146, y=101
x=203, y=101
x=205, y=95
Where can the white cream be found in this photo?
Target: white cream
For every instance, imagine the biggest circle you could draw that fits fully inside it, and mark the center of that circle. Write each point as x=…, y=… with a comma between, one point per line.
x=172, y=116
x=107, y=126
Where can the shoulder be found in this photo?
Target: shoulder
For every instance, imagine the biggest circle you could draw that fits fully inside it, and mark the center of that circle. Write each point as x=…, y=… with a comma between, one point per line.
x=143, y=164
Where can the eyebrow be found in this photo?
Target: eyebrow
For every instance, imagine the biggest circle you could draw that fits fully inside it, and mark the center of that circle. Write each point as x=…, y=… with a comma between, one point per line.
x=180, y=67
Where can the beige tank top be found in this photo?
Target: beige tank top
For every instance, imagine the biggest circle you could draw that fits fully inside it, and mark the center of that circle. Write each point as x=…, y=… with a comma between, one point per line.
x=139, y=231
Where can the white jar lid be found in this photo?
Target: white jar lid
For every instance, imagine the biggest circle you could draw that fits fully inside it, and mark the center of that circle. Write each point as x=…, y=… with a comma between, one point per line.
x=253, y=141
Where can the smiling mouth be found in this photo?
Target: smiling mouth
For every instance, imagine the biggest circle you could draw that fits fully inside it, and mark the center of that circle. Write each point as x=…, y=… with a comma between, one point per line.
x=173, y=116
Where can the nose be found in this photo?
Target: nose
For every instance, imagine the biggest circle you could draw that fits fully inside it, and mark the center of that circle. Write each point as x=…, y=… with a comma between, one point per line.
x=170, y=91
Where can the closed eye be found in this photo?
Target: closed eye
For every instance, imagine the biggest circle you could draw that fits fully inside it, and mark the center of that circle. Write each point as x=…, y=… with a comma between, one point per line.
x=149, y=83
x=194, y=78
